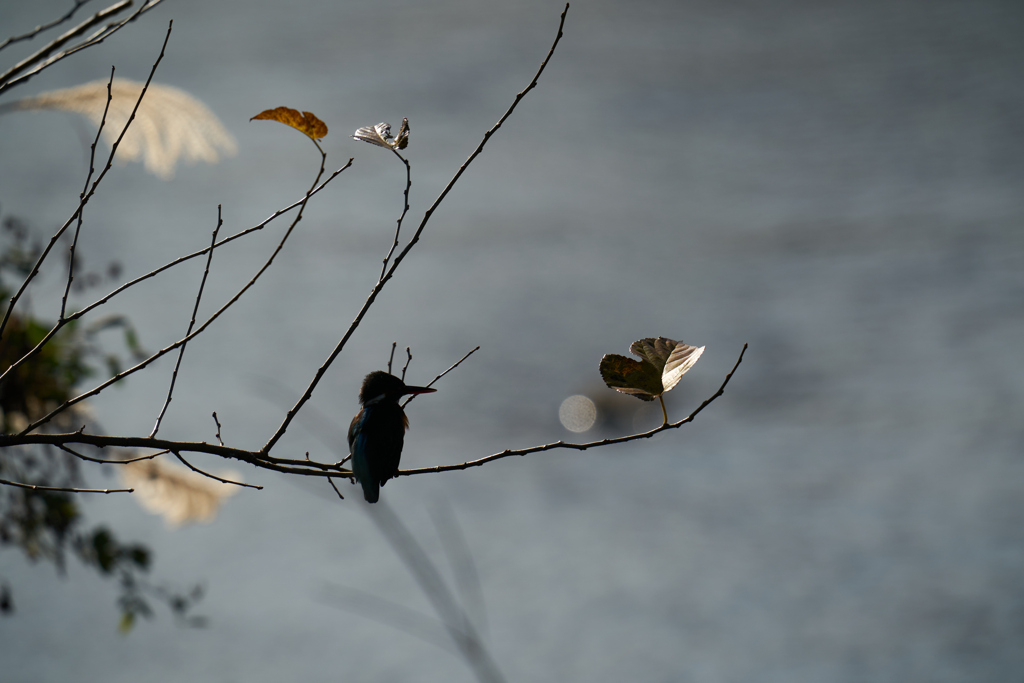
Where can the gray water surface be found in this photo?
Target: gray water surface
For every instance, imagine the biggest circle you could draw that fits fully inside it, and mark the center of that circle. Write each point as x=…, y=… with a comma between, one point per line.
x=836, y=184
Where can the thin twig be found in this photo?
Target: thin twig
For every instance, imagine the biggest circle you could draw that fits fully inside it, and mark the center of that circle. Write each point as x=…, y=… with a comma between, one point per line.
x=217, y=422
x=45, y=27
x=191, y=324
x=104, y=461
x=33, y=487
x=281, y=465
x=214, y=476
x=88, y=177
x=582, y=446
x=431, y=383
x=99, y=302
x=83, y=200
x=7, y=80
x=318, y=469
x=141, y=365
x=331, y=482
x=401, y=256
x=394, y=345
x=405, y=210
x=408, y=351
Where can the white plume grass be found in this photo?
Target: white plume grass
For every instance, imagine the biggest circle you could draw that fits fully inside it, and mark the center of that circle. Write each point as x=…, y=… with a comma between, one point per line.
x=179, y=495
x=170, y=125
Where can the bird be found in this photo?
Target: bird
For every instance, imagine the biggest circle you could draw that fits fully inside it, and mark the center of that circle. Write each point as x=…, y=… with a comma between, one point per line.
x=377, y=432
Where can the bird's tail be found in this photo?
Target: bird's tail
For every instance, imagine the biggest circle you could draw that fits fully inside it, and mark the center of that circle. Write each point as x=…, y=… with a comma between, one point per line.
x=371, y=490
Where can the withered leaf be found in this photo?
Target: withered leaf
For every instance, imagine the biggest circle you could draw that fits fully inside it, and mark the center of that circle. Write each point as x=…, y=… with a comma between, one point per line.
x=631, y=377
x=380, y=135
x=662, y=364
x=306, y=121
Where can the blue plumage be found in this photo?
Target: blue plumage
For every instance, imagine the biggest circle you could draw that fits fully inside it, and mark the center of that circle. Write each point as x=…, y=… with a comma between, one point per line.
x=377, y=432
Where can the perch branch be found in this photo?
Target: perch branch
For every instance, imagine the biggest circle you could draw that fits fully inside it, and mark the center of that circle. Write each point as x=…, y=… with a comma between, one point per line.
x=401, y=256
x=583, y=446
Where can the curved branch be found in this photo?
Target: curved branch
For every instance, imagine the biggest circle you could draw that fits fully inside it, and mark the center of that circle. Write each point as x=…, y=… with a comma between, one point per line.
x=582, y=446
x=86, y=196
x=8, y=80
x=401, y=256
x=320, y=469
x=61, y=489
x=46, y=27
x=184, y=340
x=167, y=266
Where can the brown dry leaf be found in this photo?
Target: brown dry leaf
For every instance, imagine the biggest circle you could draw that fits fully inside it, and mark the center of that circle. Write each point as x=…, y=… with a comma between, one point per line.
x=663, y=363
x=169, y=125
x=177, y=494
x=306, y=121
x=632, y=377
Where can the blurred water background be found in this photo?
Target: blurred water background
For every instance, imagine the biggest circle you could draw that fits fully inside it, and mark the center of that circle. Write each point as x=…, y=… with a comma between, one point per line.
x=838, y=184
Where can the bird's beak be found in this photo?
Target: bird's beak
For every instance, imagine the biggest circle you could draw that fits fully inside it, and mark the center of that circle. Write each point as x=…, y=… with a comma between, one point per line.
x=418, y=390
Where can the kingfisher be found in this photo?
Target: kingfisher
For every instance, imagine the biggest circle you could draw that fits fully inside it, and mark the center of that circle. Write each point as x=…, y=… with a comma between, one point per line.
x=377, y=432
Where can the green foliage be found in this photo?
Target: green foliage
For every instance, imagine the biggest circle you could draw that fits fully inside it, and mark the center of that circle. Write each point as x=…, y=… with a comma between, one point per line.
x=48, y=525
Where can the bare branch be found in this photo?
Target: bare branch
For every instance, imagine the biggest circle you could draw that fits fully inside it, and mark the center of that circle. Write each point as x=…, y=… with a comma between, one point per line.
x=7, y=79
x=214, y=476
x=333, y=486
x=60, y=489
x=405, y=210
x=88, y=177
x=104, y=461
x=582, y=446
x=401, y=256
x=408, y=351
x=394, y=345
x=431, y=383
x=141, y=365
x=46, y=27
x=191, y=324
x=99, y=302
x=86, y=196
x=318, y=469
x=217, y=422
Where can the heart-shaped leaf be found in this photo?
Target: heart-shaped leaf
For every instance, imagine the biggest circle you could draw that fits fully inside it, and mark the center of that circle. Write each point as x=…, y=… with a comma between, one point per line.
x=631, y=377
x=662, y=364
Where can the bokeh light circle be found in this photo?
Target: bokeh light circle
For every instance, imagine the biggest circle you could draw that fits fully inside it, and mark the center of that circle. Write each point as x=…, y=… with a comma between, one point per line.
x=577, y=413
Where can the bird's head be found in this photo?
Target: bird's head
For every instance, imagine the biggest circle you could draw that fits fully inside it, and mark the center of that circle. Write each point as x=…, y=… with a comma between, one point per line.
x=381, y=386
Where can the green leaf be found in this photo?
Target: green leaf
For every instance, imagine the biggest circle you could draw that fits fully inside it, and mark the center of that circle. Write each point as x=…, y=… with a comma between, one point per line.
x=662, y=364
x=126, y=623
x=139, y=555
